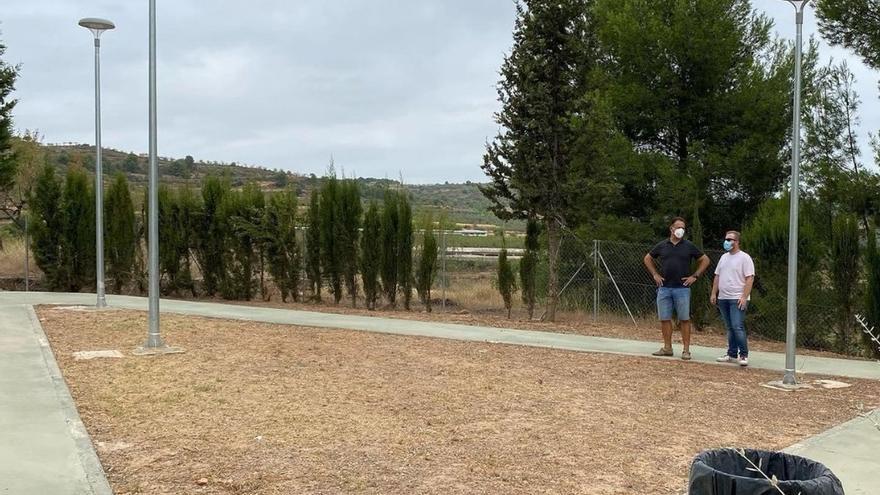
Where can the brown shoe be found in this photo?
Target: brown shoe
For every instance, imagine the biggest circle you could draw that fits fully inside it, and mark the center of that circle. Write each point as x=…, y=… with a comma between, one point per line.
x=686, y=355
x=663, y=352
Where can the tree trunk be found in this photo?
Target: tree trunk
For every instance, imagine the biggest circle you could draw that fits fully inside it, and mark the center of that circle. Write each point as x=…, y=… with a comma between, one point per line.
x=553, y=276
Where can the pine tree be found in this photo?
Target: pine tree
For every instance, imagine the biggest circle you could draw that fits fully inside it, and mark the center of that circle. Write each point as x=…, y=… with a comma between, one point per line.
x=120, y=239
x=350, y=221
x=313, y=246
x=8, y=160
x=371, y=254
x=389, y=269
x=528, y=266
x=405, y=259
x=427, y=267
x=47, y=227
x=78, y=230
x=543, y=82
x=506, y=280
x=852, y=24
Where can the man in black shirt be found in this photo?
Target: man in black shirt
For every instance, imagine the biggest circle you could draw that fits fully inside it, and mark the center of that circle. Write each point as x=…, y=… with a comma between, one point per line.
x=674, y=283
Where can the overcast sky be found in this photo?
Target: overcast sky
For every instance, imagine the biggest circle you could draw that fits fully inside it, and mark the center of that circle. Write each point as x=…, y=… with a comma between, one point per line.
x=387, y=87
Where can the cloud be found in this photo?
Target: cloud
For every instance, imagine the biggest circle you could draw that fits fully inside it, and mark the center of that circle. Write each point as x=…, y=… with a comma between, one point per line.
x=384, y=86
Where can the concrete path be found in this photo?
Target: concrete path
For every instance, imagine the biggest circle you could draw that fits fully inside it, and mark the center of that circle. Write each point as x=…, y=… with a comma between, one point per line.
x=762, y=360
x=850, y=451
x=44, y=447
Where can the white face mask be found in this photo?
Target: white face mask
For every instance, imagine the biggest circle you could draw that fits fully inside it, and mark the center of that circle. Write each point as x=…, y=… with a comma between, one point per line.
x=678, y=233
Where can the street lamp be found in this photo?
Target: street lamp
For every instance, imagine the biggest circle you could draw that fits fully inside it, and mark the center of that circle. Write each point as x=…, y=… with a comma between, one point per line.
x=154, y=344
x=791, y=320
x=97, y=27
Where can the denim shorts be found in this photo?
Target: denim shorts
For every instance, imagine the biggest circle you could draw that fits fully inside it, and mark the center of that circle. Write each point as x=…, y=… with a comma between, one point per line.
x=677, y=299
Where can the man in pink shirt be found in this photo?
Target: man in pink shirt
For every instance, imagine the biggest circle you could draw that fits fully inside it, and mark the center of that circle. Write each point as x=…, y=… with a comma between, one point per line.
x=731, y=291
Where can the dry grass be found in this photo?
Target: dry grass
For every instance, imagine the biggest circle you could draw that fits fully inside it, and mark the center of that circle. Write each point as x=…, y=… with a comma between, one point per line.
x=12, y=259
x=270, y=409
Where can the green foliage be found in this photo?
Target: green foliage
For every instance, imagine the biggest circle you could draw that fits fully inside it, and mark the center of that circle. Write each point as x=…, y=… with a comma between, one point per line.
x=78, y=231
x=351, y=211
x=282, y=248
x=405, y=249
x=332, y=248
x=543, y=82
x=852, y=24
x=389, y=270
x=244, y=213
x=506, y=280
x=313, y=246
x=210, y=230
x=47, y=227
x=765, y=238
x=371, y=254
x=177, y=219
x=872, y=293
x=427, y=267
x=528, y=265
x=120, y=235
x=845, y=275
x=702, y=91
x=8, y=163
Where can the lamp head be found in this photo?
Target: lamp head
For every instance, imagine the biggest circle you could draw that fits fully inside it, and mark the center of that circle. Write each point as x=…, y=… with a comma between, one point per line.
x=96, y=26
x=799, y=5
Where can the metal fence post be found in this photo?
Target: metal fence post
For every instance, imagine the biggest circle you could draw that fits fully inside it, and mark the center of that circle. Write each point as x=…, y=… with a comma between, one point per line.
x=596, y=280
x=443, y=273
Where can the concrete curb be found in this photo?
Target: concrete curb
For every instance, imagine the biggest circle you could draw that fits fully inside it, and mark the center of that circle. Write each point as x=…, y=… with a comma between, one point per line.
x=85, y=449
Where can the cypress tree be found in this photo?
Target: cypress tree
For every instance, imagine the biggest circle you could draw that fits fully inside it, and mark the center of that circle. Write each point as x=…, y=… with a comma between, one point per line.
x=244, y=211
x=47, y=225
x=390, y=246
x=872, y=299
x=120, y=241
x=332, y=236
x=371, y=254
x=427, y=267
x=78, y=230
x=350, y=222
x=845, y=254
x=282, y=249
x=210, y=233
x=528, y=265
x=405, y=260
x=506, y=280
x=313, y=246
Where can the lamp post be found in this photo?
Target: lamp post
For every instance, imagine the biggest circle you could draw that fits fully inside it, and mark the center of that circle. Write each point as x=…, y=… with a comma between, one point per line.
x=154, y=338
x=791, y=320
x=97, y=27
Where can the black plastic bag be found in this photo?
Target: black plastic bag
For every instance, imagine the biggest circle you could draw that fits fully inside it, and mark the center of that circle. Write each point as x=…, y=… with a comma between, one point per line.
x=725, y=472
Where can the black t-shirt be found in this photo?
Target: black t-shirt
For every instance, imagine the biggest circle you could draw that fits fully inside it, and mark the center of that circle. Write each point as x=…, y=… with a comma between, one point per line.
x=675, y=260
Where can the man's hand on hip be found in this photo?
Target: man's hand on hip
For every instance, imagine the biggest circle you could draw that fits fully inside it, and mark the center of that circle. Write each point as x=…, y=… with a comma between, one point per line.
x=688, y=281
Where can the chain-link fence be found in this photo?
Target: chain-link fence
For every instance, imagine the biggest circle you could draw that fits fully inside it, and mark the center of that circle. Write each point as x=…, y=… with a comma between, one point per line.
x=601, y=282
x=606, y=282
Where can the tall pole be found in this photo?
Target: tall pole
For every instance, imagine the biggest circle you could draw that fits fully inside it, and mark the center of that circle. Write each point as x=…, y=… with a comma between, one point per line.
x=154, y=339
x=791, y=321
x=99, y=183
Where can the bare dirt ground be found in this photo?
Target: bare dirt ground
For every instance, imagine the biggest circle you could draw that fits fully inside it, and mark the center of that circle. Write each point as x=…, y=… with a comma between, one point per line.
x=270, y=409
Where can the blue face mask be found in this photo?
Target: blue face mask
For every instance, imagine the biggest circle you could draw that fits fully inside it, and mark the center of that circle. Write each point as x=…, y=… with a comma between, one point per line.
x=728, y=245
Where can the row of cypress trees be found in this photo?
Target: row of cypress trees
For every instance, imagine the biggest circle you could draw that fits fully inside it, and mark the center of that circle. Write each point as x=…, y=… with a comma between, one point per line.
x=237, y=242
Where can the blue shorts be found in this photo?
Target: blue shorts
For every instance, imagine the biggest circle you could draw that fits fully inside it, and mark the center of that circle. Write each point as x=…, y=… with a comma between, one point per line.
x=678, y=299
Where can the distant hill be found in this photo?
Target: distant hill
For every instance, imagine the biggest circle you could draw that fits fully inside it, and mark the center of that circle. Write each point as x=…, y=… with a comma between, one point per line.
x=461, y=203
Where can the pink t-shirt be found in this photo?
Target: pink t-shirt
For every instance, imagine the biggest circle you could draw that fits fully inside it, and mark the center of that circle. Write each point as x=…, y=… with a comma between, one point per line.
x=732, y=271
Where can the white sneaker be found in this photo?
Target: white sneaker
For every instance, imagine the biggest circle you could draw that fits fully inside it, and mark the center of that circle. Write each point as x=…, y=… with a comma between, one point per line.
x=725, y=359
x=743, y=361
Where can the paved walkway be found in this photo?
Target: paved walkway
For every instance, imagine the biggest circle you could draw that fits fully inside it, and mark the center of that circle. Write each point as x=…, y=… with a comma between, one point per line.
x=44, y=447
